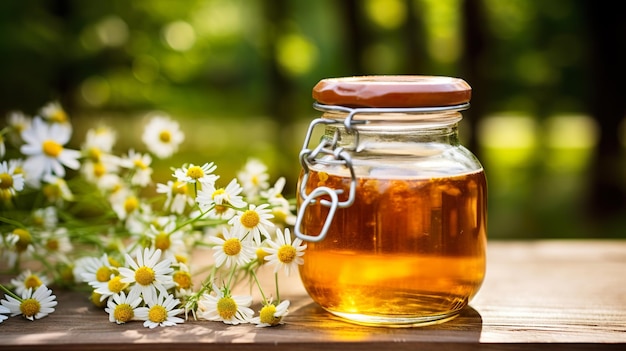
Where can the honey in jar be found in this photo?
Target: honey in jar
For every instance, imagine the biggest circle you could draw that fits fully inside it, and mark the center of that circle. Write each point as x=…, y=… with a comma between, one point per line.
x=392, y=205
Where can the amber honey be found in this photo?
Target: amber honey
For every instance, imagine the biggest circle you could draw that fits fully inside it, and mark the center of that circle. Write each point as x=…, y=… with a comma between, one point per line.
x=407, y=251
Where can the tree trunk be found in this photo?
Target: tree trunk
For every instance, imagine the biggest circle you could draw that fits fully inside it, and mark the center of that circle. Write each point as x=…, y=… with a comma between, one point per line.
x=607, y=198
x=474, y=37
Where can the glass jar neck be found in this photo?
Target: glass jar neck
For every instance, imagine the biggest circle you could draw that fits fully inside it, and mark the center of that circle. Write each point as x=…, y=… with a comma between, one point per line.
x=392, y=132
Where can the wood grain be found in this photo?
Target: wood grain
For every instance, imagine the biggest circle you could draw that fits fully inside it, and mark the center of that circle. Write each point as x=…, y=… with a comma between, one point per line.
x=567, y=295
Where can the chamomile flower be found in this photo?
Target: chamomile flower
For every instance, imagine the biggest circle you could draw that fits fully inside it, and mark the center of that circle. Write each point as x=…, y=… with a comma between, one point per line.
x=224, y=307
x=34, y=304
x=281, y=208
x=109, y=288
x=17, y=245
x=56, y=190
x=271, y=315
x=160, y=312
x=17, y=122
x=3, y=311
x=21, y=239
x=166, y=237
x=122, y=308
x=256, y=220
x=45, y=152
x=28, y=280
x=148, y=274
x=10, y=181
x=53, y=112
x=46, y=217
x=274, y=194
x=102, y=172
x=177, y=196
x=183, y=280
x=99, y=141
x=139, y=164
x=283, y=253
x=254, y=178
x=196, y=174
x=220, y=201
x=93, y=270
x=162, y=136
x=126, y=204
x=57, y=244
x=232, y=249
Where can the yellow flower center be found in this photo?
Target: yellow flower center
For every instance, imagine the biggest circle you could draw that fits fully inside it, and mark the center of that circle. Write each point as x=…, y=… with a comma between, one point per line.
x=99, y=169
x=51, y=191
x=103, y=274
x=139, y=164
x=24, y=239
x=113, y=262
x=32, y=281
x=96, y=300
x=53, y=244
x=220, y=235
x=162, y=241
x=217, y=192
x=30, y=307
x=157, y=314
x=219, y=209
x=115, y=284
x=266, y=315
x=66, y=273
x=286, y=253
x=38, y=220
x=144, y=275
x=52, y=148
x=182, y=279
x=58, y=116
x=260, y=255
x=123, y=313
x=165, y=136
x=180, y=258
x=179, y=188
x=195, y=172
x=94, y=154
x=280, y=216
x=232, y=247
x=226, y=307
x=131, y=204
x=250, y=219
x=255, y=180
x=6, y=181
x=5, y=195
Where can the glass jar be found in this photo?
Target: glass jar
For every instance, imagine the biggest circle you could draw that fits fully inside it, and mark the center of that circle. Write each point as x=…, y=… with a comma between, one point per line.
x=392, y=206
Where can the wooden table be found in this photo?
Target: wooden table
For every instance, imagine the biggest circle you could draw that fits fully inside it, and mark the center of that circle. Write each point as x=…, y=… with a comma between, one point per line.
x=567, y=295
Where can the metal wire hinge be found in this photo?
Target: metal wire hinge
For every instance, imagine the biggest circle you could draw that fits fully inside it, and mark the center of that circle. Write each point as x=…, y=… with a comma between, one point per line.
x=331, y=154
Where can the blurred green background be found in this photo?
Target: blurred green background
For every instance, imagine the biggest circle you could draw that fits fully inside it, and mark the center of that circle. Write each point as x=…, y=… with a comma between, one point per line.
x=548, y=85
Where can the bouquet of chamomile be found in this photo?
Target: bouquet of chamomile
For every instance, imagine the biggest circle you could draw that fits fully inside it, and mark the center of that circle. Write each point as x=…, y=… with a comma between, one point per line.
x=95, y=219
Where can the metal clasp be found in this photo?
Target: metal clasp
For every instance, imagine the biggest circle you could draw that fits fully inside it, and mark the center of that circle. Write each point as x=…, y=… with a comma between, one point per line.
x=317, y=192
x=331, y=154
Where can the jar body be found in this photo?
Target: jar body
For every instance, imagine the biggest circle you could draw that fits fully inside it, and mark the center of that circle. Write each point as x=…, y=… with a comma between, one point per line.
x=410, y=249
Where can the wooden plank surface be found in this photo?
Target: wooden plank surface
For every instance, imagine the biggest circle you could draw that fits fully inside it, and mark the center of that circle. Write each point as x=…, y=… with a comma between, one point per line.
x=537, y=295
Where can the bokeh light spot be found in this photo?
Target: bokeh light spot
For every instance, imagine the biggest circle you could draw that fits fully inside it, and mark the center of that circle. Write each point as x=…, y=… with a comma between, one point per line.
x=179, y=35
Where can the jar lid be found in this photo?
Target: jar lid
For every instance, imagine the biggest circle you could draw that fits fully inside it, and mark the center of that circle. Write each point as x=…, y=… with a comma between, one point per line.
x=392, y=91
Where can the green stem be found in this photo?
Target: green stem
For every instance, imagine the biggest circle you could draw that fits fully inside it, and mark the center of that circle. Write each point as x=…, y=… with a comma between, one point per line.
x=259, y=286
x=10, y=293
x=277, y=292
x=232, y=275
